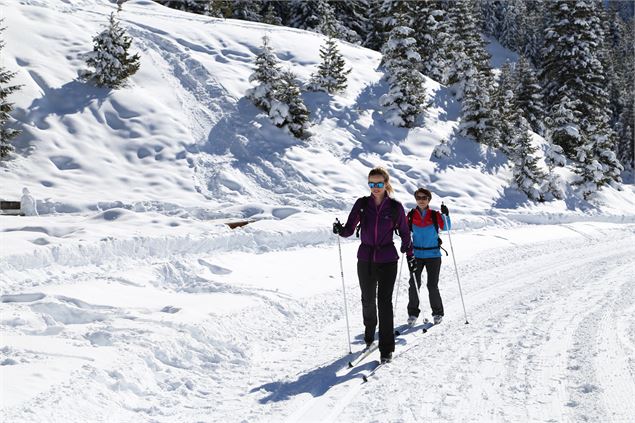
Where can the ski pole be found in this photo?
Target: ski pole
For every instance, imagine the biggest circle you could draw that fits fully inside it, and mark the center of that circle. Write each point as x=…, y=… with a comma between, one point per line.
x=398, y=282
x=456, y=269
x=348, y=329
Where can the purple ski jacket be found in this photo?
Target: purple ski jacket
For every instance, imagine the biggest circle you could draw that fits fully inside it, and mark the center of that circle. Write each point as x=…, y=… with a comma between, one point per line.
x=377, y=229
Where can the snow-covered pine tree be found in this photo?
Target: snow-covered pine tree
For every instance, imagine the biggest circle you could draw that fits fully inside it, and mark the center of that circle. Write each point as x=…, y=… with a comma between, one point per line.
x=305, y=14
x=553, y=187
x=354, y=15
x=512, y=25
x=442, y=149
x=626, y=135
x=533, y=31
x=193, y=6
x=376, y=33
x=406, y=97
x=493, y=15
x=271, y=15
x=288, y=108
x=506, y=108
x=529, y=96
x=6, y=133
x=527, y=175
x=217, y=8
x=571, y=69
x=433, y=38
x=477, y=114
x=267, y=76
x=332, y=74
x=110, y=58
x=247, y=10
x=468, y=46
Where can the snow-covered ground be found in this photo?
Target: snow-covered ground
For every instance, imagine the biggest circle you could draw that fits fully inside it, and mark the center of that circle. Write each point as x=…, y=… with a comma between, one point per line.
x=128, y=299
x=249, y=326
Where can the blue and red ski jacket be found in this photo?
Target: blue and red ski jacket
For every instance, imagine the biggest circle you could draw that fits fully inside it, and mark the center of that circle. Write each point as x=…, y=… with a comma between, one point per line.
x=425, y=238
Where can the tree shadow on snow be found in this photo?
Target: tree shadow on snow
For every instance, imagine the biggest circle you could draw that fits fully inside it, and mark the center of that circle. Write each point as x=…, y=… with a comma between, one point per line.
x=69, y=99
x=465, y=152
x=248, y=134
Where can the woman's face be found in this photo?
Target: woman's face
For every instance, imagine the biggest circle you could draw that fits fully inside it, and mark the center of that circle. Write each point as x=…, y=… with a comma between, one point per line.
x=422, y=200
x=377, y=185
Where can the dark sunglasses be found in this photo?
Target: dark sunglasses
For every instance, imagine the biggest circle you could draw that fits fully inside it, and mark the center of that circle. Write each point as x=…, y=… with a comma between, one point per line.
x=376, y=184
x=422, y=197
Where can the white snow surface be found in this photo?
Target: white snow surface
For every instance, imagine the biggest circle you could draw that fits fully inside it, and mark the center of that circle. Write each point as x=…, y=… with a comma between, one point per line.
x=128, y=299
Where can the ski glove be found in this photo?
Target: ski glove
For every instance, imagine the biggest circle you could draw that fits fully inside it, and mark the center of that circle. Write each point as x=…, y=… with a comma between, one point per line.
x=338, y=228
x=412, y=264
x=445, y=210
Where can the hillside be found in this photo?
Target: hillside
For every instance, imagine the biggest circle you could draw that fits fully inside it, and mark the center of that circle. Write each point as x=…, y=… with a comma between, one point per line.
x=182, y=135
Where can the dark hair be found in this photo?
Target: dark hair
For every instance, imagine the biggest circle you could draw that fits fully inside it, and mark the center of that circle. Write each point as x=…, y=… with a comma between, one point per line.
x=423, y=191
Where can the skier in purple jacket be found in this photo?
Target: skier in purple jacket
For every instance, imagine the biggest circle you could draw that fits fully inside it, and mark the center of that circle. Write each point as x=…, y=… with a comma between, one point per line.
x=378, y=216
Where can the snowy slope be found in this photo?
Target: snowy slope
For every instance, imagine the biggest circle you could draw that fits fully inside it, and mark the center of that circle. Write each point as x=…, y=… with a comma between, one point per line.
x=129, y=300
x=182, y=135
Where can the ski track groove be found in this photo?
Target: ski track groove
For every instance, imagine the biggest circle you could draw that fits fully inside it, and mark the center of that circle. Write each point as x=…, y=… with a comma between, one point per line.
x=537, y=293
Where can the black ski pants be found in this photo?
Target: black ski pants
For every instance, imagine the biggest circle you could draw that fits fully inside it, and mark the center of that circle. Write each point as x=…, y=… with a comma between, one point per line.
x=377, y=281
x=433, y=267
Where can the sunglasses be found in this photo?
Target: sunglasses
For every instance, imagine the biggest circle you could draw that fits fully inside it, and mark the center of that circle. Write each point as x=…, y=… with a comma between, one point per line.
x=422, y=197
x=376, y=184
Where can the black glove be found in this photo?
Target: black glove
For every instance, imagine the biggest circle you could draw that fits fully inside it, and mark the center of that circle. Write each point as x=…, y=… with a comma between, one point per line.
x=405, y=248
x=445, y=210
x=338, y=228
x=412, y=264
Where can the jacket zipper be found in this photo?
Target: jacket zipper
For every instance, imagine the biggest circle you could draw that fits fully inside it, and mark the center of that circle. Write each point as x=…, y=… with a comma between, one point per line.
x=376, y=224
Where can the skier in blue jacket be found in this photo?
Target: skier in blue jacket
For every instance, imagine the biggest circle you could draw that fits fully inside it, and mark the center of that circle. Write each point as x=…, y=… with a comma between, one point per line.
x=425, y=224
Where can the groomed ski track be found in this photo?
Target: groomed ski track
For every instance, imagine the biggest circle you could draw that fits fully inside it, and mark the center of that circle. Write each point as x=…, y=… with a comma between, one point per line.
x=551, y=337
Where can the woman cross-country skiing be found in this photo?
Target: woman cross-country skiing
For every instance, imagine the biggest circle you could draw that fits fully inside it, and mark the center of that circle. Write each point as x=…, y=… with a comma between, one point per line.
x=378, y=216
x=425, y=224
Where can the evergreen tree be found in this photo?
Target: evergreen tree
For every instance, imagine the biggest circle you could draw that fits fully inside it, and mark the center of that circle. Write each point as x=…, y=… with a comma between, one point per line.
x=529, y=96
x=354, y=15
x=442, y=149
x=478, y=117
x=506, y=106
x=553, y=186
x=493, y=15
x=110, y=59
x=193, y=6
x=331, y=75
x=266, y=75
x=512, y=25
x=217, y=8
x=626, y=136
x=376, y=31
x=526, y=174
x=6, y=133
x=468, y=45
x=247, y=10
x=532, y=31
x=433, y=38
x=306, y=14
x=288, y=108
x=406, y=97
x=596, y=165
x=571, y=69
x=271, y=15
